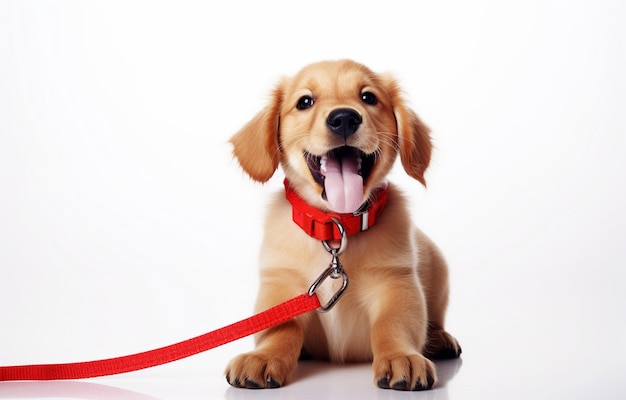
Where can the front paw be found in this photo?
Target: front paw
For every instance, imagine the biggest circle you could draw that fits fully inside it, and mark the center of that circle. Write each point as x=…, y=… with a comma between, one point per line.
x=257, y=370
x=404, y=372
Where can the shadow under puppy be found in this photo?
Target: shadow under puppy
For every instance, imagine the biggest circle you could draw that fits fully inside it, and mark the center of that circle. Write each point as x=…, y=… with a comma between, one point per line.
x=336, y=129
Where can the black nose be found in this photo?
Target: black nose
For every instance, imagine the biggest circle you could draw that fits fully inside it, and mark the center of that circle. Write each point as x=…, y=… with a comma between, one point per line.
x=343, y=121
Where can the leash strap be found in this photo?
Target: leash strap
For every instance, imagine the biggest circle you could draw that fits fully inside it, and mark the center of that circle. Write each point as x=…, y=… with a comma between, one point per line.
x=276, y=315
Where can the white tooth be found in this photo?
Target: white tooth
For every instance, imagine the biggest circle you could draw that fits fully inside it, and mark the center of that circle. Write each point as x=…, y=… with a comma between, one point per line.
x=323, y=164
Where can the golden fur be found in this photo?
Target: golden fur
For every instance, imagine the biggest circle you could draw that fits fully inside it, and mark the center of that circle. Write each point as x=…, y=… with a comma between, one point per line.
x=393, y=311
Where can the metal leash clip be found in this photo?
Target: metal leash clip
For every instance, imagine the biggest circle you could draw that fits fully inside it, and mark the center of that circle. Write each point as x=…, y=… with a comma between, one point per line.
x=334, y=270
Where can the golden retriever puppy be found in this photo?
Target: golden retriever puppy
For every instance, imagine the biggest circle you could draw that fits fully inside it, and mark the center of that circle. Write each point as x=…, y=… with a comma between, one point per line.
x=336, y=129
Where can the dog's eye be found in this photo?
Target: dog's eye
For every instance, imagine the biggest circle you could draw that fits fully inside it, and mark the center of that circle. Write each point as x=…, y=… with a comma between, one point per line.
x=304, y=102
x=369, y=98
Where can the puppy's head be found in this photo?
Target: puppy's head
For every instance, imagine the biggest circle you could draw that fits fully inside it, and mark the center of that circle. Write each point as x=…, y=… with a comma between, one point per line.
x=336, y=129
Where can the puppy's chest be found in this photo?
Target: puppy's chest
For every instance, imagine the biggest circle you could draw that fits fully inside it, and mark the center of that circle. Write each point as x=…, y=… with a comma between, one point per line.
x=347, y=334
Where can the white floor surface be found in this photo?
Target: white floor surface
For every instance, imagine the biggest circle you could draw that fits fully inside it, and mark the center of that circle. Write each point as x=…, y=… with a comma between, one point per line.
x=126, y=226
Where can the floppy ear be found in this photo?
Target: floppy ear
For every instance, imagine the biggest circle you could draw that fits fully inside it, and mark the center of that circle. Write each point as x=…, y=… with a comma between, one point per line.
x=413, y=135
x=256, y=145
x=414, y=142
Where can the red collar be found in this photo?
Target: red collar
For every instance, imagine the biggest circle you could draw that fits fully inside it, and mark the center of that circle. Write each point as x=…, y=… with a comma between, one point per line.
x=318, y=224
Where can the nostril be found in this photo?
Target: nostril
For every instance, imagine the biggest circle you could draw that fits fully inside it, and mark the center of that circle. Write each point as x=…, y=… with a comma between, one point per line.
x=344, y=121
x=335, y=123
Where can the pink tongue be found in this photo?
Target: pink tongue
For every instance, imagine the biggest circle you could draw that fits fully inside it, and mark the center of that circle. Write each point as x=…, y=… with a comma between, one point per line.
x=343, y=184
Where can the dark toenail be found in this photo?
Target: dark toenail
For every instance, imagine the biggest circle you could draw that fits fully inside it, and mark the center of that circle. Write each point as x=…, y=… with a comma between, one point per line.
x=401, y=385
x=383, y=382
x=250, y=384
x=271, y=383
x=430, y=380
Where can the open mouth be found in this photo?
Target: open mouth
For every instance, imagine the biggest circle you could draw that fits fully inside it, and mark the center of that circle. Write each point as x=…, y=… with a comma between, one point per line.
x=342, y=172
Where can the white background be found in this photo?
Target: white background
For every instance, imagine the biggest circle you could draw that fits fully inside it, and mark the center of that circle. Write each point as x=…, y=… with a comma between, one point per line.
x=125, y=225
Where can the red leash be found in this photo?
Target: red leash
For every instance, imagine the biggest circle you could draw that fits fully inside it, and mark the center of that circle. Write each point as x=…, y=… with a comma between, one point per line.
x=91, y=369
x=276, y=315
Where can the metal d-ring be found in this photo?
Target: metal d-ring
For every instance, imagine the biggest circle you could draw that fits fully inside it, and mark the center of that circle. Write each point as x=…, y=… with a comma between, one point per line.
x=344, y=239
x=332, y=273
x=334, y=270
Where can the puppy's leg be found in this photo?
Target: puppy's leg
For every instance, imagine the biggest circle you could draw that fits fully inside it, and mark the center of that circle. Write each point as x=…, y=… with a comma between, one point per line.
x=398, y=333
x=433, y=274
x=275, y=357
